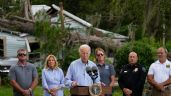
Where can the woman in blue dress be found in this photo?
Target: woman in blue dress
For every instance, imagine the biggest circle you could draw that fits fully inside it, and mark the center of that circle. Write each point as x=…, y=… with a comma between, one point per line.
x=52, y=77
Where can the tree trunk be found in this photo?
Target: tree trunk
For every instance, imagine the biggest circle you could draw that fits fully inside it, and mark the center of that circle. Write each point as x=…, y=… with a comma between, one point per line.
x=16, y=25
x=26, y=9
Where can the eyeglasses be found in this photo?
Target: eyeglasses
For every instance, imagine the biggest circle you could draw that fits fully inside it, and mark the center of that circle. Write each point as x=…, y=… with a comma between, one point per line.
x=22, y=54
x=100, y=54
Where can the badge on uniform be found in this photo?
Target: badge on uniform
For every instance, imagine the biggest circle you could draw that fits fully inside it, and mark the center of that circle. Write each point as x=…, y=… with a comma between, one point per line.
x=143, y=69
x=136, y=69
x=167, y=65
x=107, y=67
x=125, y=71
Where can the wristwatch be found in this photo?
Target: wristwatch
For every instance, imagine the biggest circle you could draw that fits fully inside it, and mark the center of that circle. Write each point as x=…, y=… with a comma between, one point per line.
x=30, y=90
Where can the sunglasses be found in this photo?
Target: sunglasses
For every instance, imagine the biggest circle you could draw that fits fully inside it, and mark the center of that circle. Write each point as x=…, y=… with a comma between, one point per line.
x=100, y=54
x=22, y=54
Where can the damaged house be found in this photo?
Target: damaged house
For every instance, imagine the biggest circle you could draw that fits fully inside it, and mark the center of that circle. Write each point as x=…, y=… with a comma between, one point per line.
x=81, y=30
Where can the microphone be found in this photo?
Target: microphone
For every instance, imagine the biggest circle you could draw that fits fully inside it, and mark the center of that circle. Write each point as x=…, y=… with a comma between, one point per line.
x=89, y=71
x=92, y=72
x=95, y=70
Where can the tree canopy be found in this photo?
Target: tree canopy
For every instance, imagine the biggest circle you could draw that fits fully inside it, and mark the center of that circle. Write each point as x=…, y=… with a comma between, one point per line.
x=150, y=18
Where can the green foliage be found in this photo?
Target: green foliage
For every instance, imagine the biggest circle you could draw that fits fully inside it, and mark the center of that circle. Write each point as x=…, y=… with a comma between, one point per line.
x=127, y=12
x=151, y=17
x=70, y=55
x=53, y=40
x=153, y=43
x=51, y=37
x=108, y=61
x=143, y=50
x=7, y=91
x=4, y=79
x=39, y=71
x=168, y=46
x=9, y=8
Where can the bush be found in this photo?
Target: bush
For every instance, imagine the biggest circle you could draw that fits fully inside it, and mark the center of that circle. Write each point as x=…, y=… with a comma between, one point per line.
x=39, y=71
x=145, y=54
x=4, y=80
x=70, y=55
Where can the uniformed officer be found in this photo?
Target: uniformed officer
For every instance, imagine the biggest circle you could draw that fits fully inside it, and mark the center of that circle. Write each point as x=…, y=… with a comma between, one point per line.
x=132, y=77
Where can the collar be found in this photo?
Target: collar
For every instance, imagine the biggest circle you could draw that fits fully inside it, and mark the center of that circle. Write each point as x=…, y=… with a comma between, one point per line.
x=134, y=65
x=52, y=69
x=167, y=61
x=84, y=63
x=101, y=65
x=19, y=64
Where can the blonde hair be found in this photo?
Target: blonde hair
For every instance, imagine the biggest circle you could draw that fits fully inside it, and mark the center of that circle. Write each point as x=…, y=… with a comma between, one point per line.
x=20, y=50
x=99, y=49
x=46, y=61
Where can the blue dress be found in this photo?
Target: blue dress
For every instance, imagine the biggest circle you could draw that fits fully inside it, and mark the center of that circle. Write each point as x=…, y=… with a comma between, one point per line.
x=52, y=79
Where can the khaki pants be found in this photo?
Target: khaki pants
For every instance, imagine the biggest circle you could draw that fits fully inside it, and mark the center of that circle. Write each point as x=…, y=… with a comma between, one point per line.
x=156, y=92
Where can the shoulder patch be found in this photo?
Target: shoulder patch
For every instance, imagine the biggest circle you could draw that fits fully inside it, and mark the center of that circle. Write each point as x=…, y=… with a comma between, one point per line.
x=121, y=71
x=143, y=69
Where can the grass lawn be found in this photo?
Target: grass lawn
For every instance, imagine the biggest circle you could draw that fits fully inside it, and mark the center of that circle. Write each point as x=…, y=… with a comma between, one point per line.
x=7, y=91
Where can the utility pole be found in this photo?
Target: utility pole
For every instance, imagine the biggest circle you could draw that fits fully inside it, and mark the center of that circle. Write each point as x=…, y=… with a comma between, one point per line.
x=164, y=36
x=164, y=30
x=61, y=16
x=131, y=34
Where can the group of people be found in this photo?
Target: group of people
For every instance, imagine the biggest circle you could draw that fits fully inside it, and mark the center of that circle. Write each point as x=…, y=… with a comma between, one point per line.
x=24, y=77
